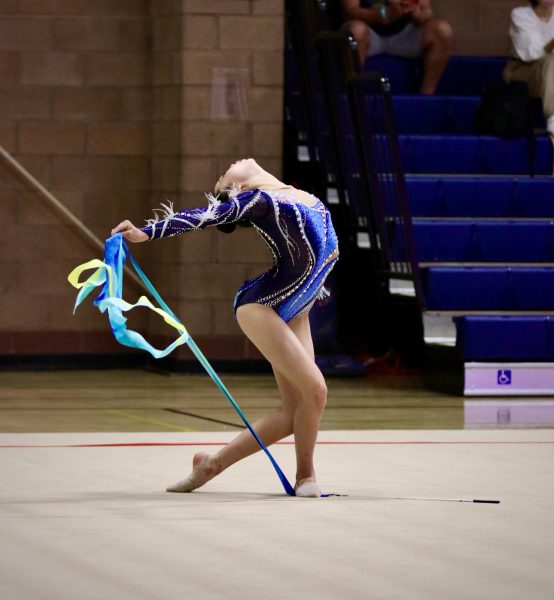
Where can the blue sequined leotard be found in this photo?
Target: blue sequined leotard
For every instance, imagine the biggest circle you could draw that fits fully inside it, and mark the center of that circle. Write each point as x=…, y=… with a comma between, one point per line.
x=301, y=238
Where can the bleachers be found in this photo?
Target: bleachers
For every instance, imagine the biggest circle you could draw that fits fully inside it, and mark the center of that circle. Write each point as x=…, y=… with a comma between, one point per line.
x=483, y=228
x=479, y=243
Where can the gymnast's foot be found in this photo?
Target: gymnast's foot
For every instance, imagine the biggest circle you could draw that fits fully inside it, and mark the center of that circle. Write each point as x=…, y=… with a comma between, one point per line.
x=204, y=468
x=307, y=488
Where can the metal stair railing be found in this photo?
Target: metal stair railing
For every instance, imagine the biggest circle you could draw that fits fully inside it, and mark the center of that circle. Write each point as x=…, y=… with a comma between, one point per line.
x=379, y=150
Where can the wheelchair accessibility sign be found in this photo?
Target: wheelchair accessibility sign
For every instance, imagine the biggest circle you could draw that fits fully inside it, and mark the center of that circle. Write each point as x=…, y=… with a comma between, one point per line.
x=504, y=377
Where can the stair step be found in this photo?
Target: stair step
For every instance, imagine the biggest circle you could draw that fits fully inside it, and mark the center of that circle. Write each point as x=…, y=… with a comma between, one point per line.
x=484, y=155
x=464, y=75
x=470, y=196
x=443, y=115
x=483, y=241
x=489, y=288
x=502, y=337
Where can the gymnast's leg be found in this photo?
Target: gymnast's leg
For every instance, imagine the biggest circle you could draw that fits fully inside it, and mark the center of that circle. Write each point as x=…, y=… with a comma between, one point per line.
x=289, y=349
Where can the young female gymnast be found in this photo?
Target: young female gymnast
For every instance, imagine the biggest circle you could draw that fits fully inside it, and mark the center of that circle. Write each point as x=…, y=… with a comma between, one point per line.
x=272, y=308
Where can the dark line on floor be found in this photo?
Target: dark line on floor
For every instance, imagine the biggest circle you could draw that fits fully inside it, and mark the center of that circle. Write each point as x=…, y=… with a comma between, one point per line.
x=189, y=414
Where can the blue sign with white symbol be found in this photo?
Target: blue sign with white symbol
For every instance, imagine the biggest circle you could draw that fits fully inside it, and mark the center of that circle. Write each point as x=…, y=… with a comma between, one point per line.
x=504, y=377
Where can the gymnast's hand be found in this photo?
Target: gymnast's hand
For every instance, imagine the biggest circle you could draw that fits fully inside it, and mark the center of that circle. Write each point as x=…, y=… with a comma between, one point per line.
x=130, y=232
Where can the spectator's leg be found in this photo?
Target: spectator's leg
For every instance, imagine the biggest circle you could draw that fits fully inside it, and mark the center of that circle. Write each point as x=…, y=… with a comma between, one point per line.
x=436, y=41
x=362, y=35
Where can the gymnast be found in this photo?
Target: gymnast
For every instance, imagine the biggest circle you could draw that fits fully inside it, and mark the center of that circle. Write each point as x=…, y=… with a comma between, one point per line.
x=271, y=309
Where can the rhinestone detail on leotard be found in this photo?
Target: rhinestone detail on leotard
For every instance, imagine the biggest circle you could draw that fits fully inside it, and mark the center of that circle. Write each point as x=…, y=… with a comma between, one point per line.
x=300, y=237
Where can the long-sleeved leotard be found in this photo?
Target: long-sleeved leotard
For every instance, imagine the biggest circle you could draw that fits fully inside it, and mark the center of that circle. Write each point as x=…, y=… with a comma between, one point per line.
x=301, y=238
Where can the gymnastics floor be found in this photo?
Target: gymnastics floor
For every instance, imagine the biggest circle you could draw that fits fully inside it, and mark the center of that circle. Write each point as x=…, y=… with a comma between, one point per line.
x=85, y=514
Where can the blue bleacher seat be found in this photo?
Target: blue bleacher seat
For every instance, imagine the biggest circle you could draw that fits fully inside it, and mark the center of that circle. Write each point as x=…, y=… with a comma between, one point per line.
x=477, y=197
x=440, y=154
x=463, y=76
x=473, y=154
x=420, y=114
x=533, y=288
x=505, y=338
x=481, y=197
x=439, y=241
x=436, y=115
x=450, y=288
x=404, y=74
x=432, y=115
x=550, y=338
x=461, y=114
x=426, y=198
x=536, y=197
x=505, y=241
x=483, y=241
x=467, y=75
x=489, y=288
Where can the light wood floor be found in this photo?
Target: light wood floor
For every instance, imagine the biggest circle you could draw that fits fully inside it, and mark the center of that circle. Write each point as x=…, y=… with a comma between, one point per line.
x=85, y=516
x=85, y=458
x=137, y=400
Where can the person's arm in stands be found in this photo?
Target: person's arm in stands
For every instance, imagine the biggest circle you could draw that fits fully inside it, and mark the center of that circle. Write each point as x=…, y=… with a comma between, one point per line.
x=527, y=42
x=352, y=10
x=549, y=47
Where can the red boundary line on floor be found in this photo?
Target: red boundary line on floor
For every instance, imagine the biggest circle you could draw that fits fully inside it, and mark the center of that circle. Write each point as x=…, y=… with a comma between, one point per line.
x=146, y=444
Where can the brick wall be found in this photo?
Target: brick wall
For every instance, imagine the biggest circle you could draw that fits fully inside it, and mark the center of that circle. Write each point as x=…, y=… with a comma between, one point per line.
x=194, y=40
x=480, y=26
x=75, y=111
x=109, y=104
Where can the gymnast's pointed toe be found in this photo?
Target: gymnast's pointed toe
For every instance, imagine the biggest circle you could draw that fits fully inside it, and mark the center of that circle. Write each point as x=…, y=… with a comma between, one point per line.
x=182, y=487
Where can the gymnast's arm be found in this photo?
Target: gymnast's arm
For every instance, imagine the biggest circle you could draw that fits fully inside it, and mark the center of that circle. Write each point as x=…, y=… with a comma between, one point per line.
x=244, y=207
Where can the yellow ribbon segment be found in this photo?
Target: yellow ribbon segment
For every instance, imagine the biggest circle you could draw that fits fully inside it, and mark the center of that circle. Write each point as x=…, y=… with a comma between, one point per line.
x=112, y=301
x=95, y=278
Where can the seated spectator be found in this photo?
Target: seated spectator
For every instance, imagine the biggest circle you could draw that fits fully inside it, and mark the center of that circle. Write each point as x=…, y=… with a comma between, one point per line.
x=403, y=28
x=532, y=35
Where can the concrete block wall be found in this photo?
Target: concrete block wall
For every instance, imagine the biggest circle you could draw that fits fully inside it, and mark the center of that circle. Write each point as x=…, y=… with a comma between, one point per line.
x=480, y=26
x=109, y=104
x=75, y=106
x=193, y=144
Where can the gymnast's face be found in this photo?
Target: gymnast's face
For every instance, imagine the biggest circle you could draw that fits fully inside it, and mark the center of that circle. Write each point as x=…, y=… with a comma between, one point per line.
x=239, y=173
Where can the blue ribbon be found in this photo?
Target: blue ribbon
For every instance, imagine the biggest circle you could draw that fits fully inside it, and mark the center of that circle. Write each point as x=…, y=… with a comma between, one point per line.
x=109, y=274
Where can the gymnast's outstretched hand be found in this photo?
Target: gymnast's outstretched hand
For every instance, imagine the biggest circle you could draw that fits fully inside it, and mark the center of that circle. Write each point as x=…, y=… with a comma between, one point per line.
x=130, y=232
